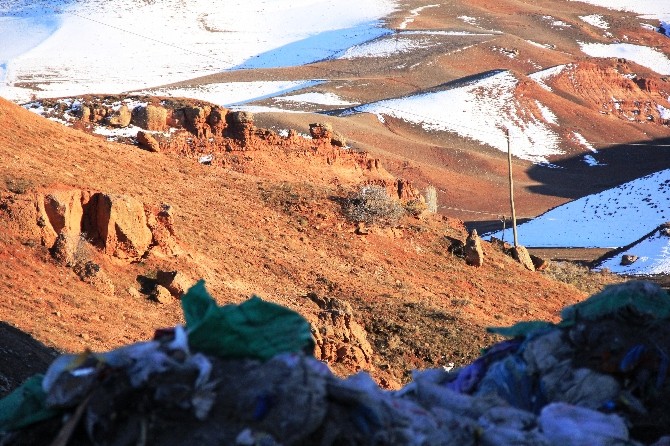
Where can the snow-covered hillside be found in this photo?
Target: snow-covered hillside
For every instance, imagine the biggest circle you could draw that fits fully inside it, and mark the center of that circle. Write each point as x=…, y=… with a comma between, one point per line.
x=479, y=110
x=65, y=47
x=613, y=218
x=652, y=256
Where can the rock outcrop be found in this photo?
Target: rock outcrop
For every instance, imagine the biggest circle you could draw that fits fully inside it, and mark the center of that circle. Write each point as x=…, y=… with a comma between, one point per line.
x=121, y=117
x=472, y=251
x=339, y=338
x=150, y=117
x=64, y=219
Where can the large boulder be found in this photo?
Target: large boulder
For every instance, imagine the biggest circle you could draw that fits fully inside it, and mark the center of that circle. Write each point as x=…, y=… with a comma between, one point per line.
x=60, y=211
x=120, y=118
x=150, y=117
x=472, y=251
x=118, y=223
x=339, y=338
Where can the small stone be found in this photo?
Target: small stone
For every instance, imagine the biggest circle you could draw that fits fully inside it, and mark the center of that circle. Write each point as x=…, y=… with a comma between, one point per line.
x=148, y=142
x=134, y=292
x=521, y=255
x=161, y=295
x=628, y=259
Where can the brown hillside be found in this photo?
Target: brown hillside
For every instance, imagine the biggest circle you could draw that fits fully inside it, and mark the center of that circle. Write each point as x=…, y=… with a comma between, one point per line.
x=277, y=232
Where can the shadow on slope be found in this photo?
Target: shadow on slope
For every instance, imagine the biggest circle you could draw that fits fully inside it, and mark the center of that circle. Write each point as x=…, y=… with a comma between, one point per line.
x=21, y=356
x=619, y=164
x=315, y=48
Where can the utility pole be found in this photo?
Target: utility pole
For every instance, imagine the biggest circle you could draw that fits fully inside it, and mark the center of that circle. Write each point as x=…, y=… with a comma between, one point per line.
x=511, y=187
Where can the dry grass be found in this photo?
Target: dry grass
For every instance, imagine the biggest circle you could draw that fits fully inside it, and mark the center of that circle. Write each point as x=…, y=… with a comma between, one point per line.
x=581, y=276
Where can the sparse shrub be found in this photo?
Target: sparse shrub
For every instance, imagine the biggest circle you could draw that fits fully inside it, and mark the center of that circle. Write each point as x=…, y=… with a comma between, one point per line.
x=581, y=276
x=430, y=194
x=71, y=251
x=372, y=205
x=18, y=186
x=415, y=207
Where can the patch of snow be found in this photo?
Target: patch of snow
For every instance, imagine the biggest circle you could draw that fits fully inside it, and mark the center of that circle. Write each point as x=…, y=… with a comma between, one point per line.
x=547, y=114
x=114, y=133
x=595, y=20
x=262, y=109
x=206, y=159
x=610, y=219
x=233, y=93
x=645, y=56
x=479, y=110
x=414, y=13
x=384, y=47
x=581, y=140
x=591, y=161
x=541, y=76
x=653, y=257
x=467, y=19
x=91, y=46
x=315, y=98
x=446, y=33
x=541, y=45
x=556, y=23
x=647, y=8
x=664, y=112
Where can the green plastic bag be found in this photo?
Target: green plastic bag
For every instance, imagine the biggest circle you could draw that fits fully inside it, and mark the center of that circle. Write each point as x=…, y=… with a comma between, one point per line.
x=638, y=297
x=253, y=329
x=24, y=406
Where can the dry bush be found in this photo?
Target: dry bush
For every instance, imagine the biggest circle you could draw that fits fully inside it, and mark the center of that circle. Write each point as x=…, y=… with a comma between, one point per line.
x=581, y=276
x=430, y=194
x=372, y=205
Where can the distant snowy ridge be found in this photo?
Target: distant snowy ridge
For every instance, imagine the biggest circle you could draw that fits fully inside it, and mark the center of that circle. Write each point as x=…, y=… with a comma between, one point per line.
x=480, y=110
x=610, y=219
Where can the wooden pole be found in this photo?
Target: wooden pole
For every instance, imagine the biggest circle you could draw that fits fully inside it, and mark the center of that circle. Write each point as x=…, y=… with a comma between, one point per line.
x=511, y=188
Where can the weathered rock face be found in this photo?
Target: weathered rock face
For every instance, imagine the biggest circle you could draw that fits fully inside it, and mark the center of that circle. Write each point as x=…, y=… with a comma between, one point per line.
x=150, y=117
x=339, y=338
x=60, y=211
x=608, y=87
x=120, y=225
x=120, y=118
x=160, y=221
x=472, y=251
x=241, y=127
x=321, y=131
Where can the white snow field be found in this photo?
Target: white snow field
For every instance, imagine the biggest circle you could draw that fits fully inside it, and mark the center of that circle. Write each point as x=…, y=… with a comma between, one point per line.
x=653, y=254
x=642, y=55
x=610, y=219
x=480, y=110
x=230, y=94
x=67, y=48
x=651, y=9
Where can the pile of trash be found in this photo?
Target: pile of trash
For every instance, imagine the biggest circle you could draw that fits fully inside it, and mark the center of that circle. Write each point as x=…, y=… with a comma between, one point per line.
x=244, y=375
